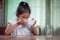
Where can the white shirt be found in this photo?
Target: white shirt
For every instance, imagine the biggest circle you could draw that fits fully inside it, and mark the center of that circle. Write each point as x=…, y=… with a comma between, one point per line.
x=20, y=30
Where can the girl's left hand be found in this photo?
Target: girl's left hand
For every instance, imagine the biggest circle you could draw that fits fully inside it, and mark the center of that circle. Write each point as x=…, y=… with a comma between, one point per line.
x=34, y=21
x=33, y=28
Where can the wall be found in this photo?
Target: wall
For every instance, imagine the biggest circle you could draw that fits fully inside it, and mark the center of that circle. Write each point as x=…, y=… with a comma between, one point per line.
x=2, y=14
x=55, y=16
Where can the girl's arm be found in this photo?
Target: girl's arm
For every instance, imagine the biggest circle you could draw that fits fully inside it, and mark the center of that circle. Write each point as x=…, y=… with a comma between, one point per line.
x=10, y=28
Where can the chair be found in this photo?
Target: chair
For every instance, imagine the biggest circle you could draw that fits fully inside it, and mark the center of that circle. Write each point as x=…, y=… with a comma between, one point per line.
x=2, y=30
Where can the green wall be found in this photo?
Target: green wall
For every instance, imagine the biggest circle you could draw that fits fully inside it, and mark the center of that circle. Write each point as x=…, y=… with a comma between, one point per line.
x=55, y=16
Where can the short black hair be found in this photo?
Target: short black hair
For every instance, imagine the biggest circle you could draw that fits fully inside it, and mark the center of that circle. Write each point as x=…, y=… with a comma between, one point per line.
x=23, y=7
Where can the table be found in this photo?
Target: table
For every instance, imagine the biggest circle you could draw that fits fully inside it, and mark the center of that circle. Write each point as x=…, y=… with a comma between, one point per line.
x=41, y=37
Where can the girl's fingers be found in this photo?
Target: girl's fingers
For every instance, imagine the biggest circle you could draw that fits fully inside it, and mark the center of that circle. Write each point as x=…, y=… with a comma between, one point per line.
x=22, y=21
x=35, y=22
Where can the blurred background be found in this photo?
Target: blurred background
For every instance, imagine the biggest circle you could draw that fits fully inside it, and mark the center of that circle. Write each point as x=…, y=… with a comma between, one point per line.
x=46, y=12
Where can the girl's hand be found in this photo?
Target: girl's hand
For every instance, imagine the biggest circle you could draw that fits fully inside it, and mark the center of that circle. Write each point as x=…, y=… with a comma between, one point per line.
x=34, y=21
x=33, y=28
x=22, y=21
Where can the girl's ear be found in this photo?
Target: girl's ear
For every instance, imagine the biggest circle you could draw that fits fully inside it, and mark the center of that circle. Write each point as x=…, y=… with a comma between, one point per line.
x=17, y=15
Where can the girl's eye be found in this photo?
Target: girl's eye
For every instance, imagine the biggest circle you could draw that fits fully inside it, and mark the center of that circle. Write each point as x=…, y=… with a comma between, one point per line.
x=23, y=17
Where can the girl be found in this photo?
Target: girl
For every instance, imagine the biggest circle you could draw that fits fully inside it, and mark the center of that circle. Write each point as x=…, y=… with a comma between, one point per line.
x=21, y=25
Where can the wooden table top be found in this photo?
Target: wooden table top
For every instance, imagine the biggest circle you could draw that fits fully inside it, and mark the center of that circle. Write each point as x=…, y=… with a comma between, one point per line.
x=41, y=37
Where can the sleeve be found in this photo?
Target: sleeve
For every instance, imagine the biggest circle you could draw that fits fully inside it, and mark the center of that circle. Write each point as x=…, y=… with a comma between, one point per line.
x=12, y=22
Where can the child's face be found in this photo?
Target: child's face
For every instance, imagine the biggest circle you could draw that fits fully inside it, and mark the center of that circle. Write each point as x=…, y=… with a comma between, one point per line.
x=24, y=16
